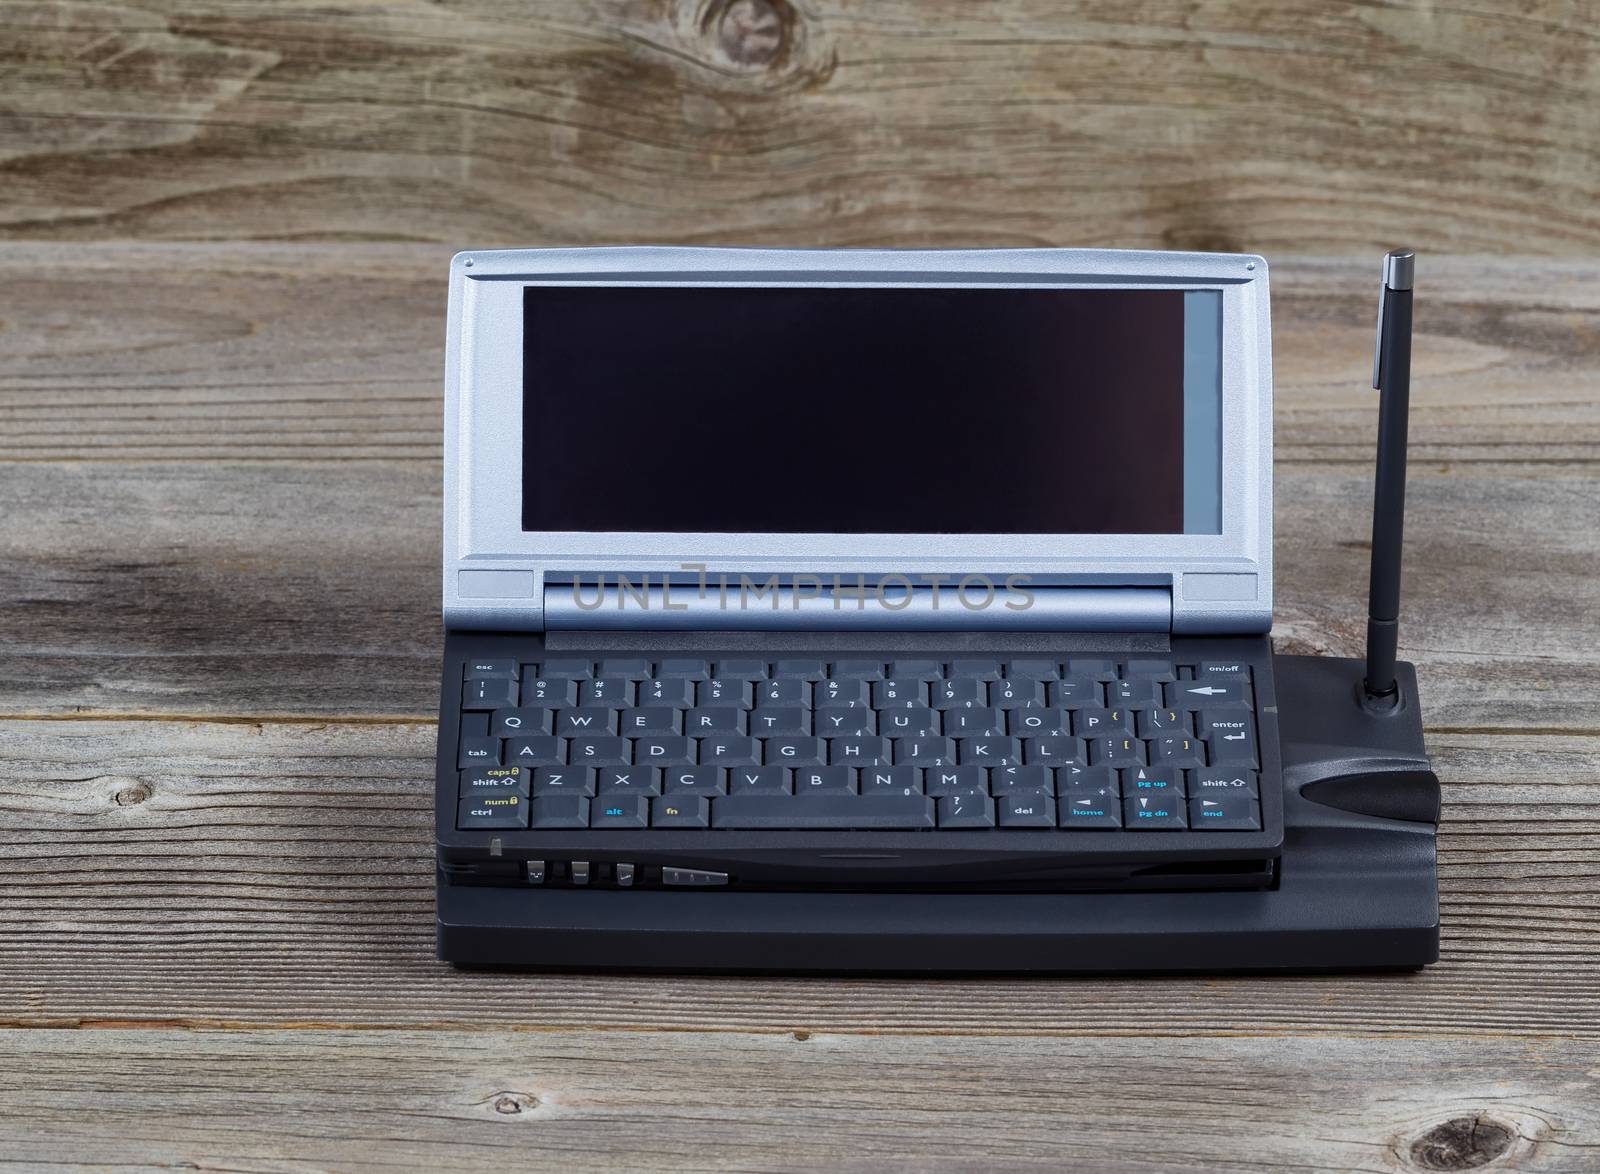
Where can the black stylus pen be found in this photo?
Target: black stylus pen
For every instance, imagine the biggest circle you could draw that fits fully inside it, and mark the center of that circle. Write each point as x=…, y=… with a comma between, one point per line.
x=1391, y=375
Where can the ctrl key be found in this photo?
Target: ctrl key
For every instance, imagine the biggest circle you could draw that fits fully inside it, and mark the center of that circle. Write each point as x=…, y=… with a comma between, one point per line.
x=506, y=810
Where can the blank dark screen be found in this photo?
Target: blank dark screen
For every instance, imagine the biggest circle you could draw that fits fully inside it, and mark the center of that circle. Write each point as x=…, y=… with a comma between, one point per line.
x=853, y=410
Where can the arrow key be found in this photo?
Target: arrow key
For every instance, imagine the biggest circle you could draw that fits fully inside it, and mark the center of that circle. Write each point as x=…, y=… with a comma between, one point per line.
x=1208, y=695
x=1227, y=813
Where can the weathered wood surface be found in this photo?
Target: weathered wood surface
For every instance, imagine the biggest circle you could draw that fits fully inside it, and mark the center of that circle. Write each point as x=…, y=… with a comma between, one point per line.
x=1330, y=127
x=219, y=513
x=206, y=873
x=654, y=1100
x=232, y=438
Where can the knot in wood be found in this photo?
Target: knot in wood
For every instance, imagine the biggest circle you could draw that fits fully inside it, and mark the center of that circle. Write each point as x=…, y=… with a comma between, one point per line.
x=753, y=33
x=511, y=1103
x=1462, y=1143
x=132, y=796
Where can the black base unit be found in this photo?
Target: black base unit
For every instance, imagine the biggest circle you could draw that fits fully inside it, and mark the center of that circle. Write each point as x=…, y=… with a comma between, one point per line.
x=1356, y=888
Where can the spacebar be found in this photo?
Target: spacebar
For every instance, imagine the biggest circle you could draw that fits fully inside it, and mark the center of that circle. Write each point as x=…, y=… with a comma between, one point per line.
x=822, y=811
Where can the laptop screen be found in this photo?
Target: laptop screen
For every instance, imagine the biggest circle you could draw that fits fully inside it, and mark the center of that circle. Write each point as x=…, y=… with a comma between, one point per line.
x=854, y=410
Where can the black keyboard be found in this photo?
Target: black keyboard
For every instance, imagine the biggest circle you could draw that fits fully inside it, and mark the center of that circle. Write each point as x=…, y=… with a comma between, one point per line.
x=1079, y=746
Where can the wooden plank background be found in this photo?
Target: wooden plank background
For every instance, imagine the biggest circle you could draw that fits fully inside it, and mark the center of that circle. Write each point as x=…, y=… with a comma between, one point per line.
x=223, y=236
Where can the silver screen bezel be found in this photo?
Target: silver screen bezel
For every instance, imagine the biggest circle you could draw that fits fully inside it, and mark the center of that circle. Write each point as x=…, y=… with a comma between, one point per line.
x=483, y=432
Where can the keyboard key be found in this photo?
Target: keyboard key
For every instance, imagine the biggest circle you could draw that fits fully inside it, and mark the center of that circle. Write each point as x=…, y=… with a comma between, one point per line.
x=1075, y=810
x=1136, y=694
x=1158, y=812
x=477, y=669
x=564, y=780
x=628, y=668
x=1026, y=809
x=677, y=692
x=804, y=669
x=741, y=670
x=586, y=721
x=910, y=671
x=537, y=751
x=983, y=670
x=1227, y=813
x=759, y=780
x=1151, y=780
x=1222, y=780
x=509, y=810
x=819, y=779
x=681, y=811
x=1032, y=670
x=966, y=810
x=490, y=693
x=551, y=692
x=655, y=720
x=1088, y=723
x=1053, y=751
x=884, y=780
x=479, y=752
x=1076, y=693
x=606, y=693
x=1223, y=670
x=776, y=720
x=620, y=811
x=1084, y=782
x=714, y=719
x=566, y=667
x=560, y=811
x=898, y=693
x=1023, y=778
x=925, y=752
x=974, y=723
x=1176, y=750
x=1208, y=695
x=1231, y=736
x=1115, y=749
x=960, y=692
x=632, y=780
x=485, y=782
x=989, y=752
x=1017, y=694
x=1155, y=722
x=723, y=691
x=910, y=722
x=1041, y=723
x=699, y=780
x=845, y=723
x=831, y=812
x=784, y=694
x=859, y=752
x=521, y=723
x=1149, y=669
x=948, y=780
x=663, y=751
x=694, y=670
x=598, y=751
x=795, y=751
x=730, y=751
x=1092, y=668
x=866, y=670
x=843, y=693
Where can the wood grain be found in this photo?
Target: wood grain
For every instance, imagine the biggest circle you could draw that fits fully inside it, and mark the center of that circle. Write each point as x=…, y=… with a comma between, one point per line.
x=569, y=1100
x=322, y=353
x=240, y=480
x=1326, y=127
x=281, y=873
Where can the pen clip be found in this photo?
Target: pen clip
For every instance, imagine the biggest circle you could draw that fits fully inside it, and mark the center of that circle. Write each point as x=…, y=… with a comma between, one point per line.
x=1383, y=302
x=1399, y=269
